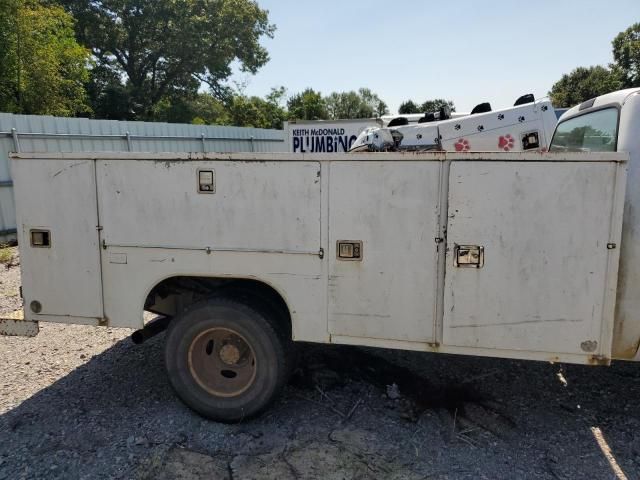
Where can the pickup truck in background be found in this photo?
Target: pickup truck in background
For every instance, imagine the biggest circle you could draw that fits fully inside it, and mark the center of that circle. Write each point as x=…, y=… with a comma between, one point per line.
x=531, y=255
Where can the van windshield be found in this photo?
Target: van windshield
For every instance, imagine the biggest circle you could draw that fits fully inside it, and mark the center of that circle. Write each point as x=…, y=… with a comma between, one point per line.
x=592, y=132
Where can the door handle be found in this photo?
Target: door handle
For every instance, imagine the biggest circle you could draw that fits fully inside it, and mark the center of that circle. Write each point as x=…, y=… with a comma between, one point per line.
x=349, y=250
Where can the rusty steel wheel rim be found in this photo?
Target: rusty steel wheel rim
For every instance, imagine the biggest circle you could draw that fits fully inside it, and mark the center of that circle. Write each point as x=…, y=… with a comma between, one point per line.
x=222, y=362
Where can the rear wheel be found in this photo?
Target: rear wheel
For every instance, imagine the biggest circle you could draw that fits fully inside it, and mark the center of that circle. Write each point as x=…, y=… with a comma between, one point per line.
x=225, y=359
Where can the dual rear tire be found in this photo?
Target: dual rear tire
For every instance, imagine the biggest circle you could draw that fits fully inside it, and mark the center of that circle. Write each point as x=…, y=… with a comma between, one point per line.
x=227, y=359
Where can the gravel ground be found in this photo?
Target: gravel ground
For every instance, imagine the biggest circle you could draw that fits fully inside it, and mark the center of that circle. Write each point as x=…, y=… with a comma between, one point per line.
x=84, y=402
x=10, y=280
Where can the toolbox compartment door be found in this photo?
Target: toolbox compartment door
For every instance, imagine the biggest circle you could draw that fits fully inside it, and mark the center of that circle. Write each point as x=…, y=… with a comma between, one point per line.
x=385, y=215
x=532, y=255
x=59, y=197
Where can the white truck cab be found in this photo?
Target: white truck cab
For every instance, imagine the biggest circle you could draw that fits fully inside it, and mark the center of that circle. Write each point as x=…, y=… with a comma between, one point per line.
x=611, y=123
x=507, y=254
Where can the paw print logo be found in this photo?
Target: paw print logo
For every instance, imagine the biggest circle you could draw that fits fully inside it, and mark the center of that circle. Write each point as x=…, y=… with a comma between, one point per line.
x=462, y=145
x=457, y=126
x=506, y=142
x=545, y=108
x=480, y=128
x=521, y=119
x=501, y=116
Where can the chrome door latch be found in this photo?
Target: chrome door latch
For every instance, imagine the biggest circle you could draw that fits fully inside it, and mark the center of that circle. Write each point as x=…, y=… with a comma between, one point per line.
x=468, y=256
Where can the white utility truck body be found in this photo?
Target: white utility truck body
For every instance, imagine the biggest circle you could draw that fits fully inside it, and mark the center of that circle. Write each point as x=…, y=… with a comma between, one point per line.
x=496, y=254
x=120, y=224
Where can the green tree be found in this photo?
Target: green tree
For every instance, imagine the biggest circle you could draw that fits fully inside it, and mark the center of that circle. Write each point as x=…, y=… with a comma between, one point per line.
x=373, y=101
x=108, y=97
x=42, y=68
x=201, y=109
x=436, y=104
x=361, y=104
x=169, y=48
x=626, y=56
x=307, y=105
x=582, y=84
x=409, y=107
x=257, y=112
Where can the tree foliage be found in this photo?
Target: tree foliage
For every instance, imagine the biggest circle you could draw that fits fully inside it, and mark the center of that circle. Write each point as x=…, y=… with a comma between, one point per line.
x=361, y=104
x=582, y=84
x=200, y=108
x=409, y=106
x=257, y=112
x=268, y=112
x=626, y=56
x=436, y=104
x=374, y=102
x=307, y=105
x=108, y=97
x=42, y=67
x=238, y=110
x=156, y=50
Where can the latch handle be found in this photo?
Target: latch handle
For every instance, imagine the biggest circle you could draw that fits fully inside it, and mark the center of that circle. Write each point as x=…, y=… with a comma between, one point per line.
x=468, y=256
x=349, y=250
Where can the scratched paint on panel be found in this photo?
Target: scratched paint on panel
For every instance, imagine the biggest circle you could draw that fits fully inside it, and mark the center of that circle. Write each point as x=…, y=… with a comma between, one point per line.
x=392, y=207
x=256, y=205
x=59, y=196
x=544, y=228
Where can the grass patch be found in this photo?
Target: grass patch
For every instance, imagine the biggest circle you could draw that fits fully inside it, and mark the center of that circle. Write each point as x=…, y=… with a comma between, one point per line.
x=6, y=255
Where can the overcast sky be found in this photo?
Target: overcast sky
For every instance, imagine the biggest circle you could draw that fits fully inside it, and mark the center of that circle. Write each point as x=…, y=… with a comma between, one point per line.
x=466, y=51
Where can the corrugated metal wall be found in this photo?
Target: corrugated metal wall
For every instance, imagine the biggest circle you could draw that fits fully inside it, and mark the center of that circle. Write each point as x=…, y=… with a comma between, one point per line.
x=32, y=133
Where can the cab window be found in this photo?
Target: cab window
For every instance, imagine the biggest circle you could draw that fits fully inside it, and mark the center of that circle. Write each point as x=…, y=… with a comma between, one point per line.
x=592, y=132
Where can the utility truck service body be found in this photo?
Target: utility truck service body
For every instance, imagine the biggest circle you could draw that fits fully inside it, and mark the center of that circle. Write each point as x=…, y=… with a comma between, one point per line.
x=519, y=255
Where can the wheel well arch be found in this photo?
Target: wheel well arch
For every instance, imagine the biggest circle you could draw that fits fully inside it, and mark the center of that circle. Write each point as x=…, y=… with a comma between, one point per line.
x=172, y=295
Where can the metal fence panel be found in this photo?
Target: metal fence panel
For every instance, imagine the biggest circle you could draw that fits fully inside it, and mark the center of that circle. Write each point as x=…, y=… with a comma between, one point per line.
x=36, y=133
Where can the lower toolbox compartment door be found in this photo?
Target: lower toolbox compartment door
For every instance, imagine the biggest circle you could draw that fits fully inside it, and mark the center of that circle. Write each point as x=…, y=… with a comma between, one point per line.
x=59, y=238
